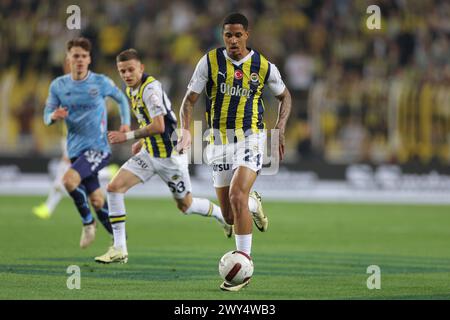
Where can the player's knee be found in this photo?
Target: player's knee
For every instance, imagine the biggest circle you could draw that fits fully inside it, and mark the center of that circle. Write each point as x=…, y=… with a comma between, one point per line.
x=70, y=183
x=237, y=199
x=97, y=201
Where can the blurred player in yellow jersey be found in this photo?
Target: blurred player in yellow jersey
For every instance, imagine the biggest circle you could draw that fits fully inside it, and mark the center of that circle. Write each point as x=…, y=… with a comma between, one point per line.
x=234, y=78
x=154, y=154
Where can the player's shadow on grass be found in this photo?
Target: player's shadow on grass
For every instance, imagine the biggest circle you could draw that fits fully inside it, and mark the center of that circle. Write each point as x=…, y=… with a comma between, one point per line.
x=183, y=266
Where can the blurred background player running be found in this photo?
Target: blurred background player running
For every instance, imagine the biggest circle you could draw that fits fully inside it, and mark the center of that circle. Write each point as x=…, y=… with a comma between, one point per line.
x=78, y=98
x=56, y=172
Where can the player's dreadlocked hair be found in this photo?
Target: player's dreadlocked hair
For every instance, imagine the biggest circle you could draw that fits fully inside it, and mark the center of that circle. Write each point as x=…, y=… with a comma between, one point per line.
x=236, y=18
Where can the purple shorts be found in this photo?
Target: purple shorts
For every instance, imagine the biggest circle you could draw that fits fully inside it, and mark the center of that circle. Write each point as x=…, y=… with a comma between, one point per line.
x=88, y=165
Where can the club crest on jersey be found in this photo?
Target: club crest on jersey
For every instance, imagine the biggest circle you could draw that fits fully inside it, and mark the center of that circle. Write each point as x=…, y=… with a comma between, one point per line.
x=254, y=78
x=238, y=74
x=93, y=92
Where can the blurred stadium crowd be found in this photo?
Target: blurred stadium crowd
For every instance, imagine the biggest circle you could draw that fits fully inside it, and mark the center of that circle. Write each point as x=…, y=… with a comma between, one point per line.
x=359, y=95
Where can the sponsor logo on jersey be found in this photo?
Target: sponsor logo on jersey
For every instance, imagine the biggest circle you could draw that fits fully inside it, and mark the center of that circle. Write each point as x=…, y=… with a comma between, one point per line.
x=221, y=167
x=141, y=163
x=225, y=88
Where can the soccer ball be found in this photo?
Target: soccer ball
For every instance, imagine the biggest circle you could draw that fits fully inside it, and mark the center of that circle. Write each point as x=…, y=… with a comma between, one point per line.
x=235, y=267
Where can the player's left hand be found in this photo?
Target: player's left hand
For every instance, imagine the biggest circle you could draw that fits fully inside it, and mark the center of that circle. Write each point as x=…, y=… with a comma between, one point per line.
x=115, y=137
x=124, y=128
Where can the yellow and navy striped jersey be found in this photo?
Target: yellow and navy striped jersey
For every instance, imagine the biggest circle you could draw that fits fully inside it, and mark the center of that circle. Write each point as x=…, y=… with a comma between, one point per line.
x=234, y=96
x=159, y=145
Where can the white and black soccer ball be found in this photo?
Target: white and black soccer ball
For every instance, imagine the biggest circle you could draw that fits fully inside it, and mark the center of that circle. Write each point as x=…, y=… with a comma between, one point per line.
x=236, y=267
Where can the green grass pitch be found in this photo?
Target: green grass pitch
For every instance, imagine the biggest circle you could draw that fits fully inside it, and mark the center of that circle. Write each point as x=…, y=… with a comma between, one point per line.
x=311, y=251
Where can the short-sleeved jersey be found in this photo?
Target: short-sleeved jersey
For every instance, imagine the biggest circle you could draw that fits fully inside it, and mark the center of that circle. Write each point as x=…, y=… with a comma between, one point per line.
x=234, y=92
x=147, y=102
x=87, y=115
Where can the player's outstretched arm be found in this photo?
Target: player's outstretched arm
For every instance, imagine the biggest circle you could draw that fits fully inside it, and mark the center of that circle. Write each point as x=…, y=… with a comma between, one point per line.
x=284, y=111
x=156, y=127
x=184, y=137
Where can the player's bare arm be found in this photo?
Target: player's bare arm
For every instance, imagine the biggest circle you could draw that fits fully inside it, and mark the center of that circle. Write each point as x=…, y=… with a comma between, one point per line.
x=284, y=110
x=184, y=140
x=156, y=127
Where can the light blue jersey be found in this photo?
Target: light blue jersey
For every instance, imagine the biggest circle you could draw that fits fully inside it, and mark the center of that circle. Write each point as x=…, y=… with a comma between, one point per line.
x=85, y=102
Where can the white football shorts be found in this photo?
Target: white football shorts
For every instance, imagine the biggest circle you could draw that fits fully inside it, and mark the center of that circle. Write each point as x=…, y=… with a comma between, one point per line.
x=224, y=159
x=173, y=171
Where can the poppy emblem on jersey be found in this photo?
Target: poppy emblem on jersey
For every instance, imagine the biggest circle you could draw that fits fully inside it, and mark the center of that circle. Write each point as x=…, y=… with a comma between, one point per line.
x=254, y=77
x=238, y=74
x=93, y=92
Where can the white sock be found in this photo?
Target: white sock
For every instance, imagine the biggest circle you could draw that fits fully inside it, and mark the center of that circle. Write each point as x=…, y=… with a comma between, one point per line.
x=243, y=242
x=252, y=204
x=53, y=198
x=205, y=208
x=117, y=217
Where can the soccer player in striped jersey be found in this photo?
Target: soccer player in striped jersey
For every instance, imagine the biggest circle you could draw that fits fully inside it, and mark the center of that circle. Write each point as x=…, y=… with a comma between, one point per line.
x=234, y=78
x=154, y=153
x=78, y=98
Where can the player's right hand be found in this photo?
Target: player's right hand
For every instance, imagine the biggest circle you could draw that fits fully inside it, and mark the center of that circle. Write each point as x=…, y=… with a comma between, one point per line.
x=60, y=114
x=115, y=137
x=184, y=141
x=136, y=147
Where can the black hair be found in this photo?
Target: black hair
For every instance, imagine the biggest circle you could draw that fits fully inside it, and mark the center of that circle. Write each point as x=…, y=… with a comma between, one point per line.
x=236, y=18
